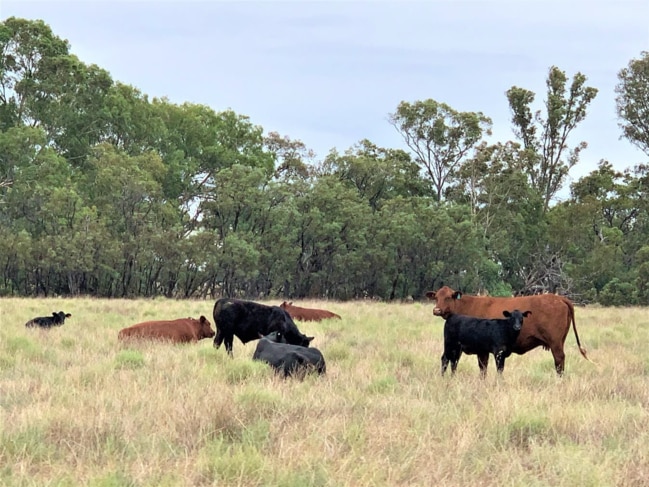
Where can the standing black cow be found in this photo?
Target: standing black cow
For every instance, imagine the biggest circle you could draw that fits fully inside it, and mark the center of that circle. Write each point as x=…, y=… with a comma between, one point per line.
x=288, y=359
x=248, y=320
x=57, y=319
x=481, y=336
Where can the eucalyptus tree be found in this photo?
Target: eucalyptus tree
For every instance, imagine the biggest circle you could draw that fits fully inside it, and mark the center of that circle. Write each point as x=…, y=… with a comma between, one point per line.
x=545, y=137
x=133, y=123
x=27, y=50
x=507, y=212
x=292, y=158
x=43, y=85
x=127, y=193
x=428, y=244
x=633, y=101
x=603, y=226
x=197, y=144
x=439, y=137
x=377, y=174
x=330, y=237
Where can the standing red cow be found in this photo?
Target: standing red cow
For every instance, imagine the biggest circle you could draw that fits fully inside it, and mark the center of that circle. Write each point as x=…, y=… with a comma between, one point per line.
x=307, y=314
x=547, y=326
x=182, y=330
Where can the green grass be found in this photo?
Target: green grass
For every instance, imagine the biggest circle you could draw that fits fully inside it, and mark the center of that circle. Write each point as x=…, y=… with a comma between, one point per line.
x=77, y=407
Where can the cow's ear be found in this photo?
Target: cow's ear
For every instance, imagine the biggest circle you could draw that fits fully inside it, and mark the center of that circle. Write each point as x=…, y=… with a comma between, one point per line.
x=309, y=339
x=506, y=314
x=431, y=295
x=527, y=313
x=457, y=295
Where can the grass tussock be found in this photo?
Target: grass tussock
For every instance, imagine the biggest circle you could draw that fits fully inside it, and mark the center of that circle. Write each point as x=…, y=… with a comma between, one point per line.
x=77, y=407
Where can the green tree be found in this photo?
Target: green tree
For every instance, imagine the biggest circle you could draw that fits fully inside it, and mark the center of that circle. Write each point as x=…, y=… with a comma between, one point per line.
x=546, y=137
x=43, y=85
x=330, y=238
x=127, y=192
x=603, y=226
x=28, y=51
x=291, y=157
x=439, y=136
x=508, y=214
x=377, y=174
x=633, y=101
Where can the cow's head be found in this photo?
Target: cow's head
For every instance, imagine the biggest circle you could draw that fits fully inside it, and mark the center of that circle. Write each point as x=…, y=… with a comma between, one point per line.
x=205, y=328
x=59, y=318
x=275, y=336
x=516, y=318
x=295, y=337
x=283, y=322
x=445, y=301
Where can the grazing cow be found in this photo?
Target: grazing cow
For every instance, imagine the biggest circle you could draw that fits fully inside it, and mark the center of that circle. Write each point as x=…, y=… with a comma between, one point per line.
x=288, y=359
x=183, y=330
x=476, y=336
x=248, y=320
x=547, y=326
x=57, y=319
x=307, y=314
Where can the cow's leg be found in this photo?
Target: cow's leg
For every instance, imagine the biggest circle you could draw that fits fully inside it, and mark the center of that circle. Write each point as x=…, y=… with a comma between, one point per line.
x=444, y=363
x=483, y=361
x=218, y=339
x=559, y=358
x=455, y=358
x=228, y=344
x=500, y=361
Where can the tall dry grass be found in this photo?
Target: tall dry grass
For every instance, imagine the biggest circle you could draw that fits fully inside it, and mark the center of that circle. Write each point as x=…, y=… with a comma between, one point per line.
x=79, y=408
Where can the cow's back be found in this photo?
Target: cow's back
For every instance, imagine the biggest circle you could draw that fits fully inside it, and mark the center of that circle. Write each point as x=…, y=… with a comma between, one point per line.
x=179, y=331
x=308, y=314
x=246, y=319
x=289, y=359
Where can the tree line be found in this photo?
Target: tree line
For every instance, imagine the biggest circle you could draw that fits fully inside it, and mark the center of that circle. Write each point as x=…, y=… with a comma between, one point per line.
x=106, y=192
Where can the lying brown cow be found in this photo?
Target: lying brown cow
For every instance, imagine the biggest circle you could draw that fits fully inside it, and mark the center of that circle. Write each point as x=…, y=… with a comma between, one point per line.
x=307, y=314
x=547, y=325
x=182, y=330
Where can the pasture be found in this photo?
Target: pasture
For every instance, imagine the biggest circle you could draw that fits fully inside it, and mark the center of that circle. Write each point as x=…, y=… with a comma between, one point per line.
x=77, y=407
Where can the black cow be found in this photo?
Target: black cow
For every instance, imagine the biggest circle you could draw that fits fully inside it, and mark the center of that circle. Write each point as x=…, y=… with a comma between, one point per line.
x=248, y=320
x=57, y=319
x=289, y=359
x=480, y=336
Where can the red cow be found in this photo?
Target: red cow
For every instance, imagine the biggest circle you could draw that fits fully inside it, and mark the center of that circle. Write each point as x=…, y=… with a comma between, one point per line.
x=182, y=330
x=307, y=314
x=547, y=325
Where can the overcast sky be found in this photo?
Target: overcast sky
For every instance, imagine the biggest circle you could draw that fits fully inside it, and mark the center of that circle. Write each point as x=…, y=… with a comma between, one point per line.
x=329, y=73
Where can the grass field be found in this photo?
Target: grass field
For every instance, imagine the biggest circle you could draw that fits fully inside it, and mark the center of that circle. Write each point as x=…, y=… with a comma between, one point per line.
x=79, y=408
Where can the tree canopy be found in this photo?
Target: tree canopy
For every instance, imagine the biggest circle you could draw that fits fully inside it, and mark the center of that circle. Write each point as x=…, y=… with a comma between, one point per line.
x=107, y=192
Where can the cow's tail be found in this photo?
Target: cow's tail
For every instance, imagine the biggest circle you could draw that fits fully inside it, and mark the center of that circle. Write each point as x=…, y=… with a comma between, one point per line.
x=571, y=309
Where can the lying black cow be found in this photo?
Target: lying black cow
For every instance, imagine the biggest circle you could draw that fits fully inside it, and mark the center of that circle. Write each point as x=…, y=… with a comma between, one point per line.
x=479, y=336
x=57, y=319
x=288, y=359
x=248, y=320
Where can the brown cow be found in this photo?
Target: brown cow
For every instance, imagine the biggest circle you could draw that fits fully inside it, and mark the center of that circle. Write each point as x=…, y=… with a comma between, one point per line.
x=182, y=330
x=307, y=314
x=547, y=325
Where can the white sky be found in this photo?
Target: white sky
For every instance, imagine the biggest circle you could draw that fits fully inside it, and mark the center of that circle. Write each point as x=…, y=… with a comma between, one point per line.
x=329, y=73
